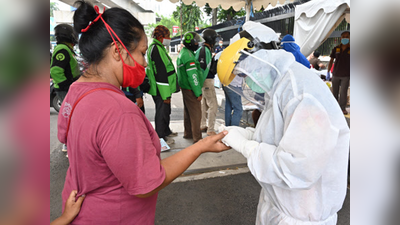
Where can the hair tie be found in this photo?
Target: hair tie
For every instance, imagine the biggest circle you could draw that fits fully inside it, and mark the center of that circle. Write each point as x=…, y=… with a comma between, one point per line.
x=96, y=8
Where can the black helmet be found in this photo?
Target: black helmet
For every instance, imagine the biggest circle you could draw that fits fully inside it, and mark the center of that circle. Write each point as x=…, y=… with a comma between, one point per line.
x=210, y=36
x=65, y=33
x=191, y=40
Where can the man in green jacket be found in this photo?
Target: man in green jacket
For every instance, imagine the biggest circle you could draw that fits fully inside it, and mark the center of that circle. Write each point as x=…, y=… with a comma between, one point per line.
x=163, y=81
x=190, y=78
x=64, y=68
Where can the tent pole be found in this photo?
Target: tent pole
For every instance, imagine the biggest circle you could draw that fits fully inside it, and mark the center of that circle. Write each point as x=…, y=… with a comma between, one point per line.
x=181, y=19
x=248, y=8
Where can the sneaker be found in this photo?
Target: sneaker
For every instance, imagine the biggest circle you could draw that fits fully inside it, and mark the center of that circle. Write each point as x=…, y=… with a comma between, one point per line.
x=211, y=133
x=204, y=129
x=64, y=148
x=170, y=141
x=173, y=134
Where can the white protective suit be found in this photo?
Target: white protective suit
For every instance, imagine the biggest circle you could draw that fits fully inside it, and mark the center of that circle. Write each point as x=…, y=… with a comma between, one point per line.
x=300, y=147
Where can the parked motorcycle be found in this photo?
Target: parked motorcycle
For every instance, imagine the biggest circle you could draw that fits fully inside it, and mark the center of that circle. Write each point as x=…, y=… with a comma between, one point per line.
x=55, y=101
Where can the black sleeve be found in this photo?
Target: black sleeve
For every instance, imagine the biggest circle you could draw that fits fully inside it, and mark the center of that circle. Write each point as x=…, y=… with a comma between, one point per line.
x=160, y=71
x=136, y=92
x=202, y=58
x=213, y=67
x=61, y=59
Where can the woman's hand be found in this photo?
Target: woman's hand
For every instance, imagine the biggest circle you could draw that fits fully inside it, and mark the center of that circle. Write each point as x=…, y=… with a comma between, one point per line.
x=213, y=143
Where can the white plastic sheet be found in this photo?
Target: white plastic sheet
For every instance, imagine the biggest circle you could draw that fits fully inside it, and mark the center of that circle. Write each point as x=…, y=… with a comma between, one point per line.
x=316, y=20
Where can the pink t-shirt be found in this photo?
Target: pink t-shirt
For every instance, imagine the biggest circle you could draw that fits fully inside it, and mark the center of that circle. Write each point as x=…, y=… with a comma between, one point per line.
x=114, y=154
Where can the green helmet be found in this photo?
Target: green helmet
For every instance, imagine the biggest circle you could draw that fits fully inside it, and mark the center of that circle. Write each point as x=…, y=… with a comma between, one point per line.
x=191, y=40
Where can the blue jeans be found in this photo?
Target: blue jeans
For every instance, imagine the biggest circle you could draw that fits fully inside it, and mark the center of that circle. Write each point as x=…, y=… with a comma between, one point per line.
x=233, y=102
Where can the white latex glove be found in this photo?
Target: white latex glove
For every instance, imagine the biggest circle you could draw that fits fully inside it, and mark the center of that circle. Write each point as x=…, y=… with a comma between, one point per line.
x=239, y=142
x=246, y=133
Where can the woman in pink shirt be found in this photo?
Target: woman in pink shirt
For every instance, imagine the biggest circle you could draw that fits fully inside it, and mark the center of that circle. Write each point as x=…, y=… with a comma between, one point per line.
x=113, y=150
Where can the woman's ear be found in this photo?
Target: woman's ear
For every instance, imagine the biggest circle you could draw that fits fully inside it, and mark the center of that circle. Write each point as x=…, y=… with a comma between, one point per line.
x=114, y=51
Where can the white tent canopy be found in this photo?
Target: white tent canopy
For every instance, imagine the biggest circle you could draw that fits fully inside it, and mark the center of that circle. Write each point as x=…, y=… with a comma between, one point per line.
x=316, y=20
x=236, y=4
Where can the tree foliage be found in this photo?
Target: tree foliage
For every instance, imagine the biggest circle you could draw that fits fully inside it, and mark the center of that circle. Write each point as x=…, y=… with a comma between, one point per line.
x=168, y=22
x=191, y=17
x=225, y=15
x=53, y=7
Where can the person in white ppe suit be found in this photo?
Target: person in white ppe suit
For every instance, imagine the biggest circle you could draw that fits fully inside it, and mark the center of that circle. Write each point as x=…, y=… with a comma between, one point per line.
x=299, y=150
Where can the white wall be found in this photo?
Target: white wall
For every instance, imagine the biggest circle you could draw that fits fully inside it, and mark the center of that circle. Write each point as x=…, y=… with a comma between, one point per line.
x=63, y=17
x=146, y=18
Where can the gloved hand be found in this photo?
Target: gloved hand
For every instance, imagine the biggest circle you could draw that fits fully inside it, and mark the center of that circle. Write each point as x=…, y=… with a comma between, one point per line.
x=246, y=133
x=239, y=142
x=328, y=75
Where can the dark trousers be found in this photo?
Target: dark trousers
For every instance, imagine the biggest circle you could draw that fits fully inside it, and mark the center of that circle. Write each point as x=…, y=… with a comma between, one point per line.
x=340, y=86
x=133, y=99
x=162, y=118
x=191, y=115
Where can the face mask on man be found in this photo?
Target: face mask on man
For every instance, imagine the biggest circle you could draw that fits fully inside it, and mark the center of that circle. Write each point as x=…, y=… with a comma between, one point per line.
x=253, y=85
x=220, y=44
x=166, y=41
x=265, y=82
x=345, y=41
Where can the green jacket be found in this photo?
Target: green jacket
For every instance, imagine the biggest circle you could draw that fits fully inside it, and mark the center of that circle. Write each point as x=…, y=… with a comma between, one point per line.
x=160, y=71
x=190, y=74
x=203, y=55
x=64, y=68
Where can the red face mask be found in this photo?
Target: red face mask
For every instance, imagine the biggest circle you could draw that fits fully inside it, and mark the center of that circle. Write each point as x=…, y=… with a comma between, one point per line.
x=133, y=76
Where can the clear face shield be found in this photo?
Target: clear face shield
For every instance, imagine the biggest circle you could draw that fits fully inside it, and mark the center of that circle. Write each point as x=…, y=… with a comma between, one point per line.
x=257, y=77
x=198, y=39
x=197, y=42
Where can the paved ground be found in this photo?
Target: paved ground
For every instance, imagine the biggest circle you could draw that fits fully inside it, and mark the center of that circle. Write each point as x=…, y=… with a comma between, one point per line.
x=224, y=200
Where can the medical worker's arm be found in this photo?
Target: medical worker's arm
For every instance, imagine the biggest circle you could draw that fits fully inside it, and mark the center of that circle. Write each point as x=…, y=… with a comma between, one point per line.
x=308, y=142
x=176, y=164
x=300, y=158
x=194, y=77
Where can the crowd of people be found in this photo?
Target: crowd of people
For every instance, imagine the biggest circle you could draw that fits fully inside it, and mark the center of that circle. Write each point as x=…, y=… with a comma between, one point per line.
x=298, y=150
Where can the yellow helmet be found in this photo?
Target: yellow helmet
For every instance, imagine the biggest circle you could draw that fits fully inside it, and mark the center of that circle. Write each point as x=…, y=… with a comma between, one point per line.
x=229, y=58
